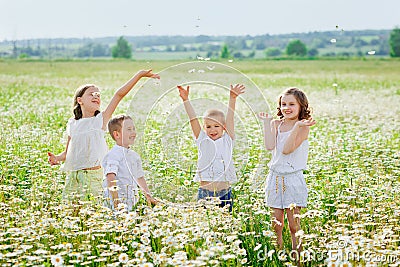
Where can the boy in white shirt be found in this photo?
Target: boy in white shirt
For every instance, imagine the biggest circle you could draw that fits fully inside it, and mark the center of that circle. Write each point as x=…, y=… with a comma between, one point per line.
x=123, y=166
x=215, y=169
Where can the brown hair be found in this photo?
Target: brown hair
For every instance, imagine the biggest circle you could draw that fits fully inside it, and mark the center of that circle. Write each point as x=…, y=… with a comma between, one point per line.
x=212, y=113
x=301, y=97
x=79, y=93
x=115, y=124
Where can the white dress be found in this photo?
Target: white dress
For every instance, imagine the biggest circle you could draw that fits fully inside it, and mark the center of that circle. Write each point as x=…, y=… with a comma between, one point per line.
x=87, y=146
x=127, y=167
x=285, y=182
x=215, y=162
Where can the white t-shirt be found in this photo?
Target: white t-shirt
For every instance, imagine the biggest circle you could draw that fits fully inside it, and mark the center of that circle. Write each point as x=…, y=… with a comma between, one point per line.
x=127, y=167
x=123, y=162
x=87, y=146
x=215, y=159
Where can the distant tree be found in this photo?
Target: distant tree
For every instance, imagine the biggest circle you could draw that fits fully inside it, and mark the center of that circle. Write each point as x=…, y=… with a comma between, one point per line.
x=85, y=51
x=238, y=54
x=180, y=48
x=313, y=52
x=252, y=54
x=374, y=42
x=100, y=50
x=296, y=48
x=15, y=49
x=202, y=39
x=273, y=52
x=394, y=42
x=359, y=43
x=23, y=56
x=225, y=51
x=259, y=43
x=242, y=44
x=122, y=50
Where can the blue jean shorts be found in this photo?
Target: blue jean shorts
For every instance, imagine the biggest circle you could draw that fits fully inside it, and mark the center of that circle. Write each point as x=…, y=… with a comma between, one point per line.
x=224, y=195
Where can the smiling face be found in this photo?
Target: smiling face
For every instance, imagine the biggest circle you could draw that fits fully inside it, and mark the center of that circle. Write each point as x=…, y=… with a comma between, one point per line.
x=90, y=101
x=126, y=135
x=214, y=127
x=290, y=107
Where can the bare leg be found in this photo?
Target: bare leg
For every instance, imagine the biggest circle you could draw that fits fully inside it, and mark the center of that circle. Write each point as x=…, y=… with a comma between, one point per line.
x=294, y=226
x=278, y=214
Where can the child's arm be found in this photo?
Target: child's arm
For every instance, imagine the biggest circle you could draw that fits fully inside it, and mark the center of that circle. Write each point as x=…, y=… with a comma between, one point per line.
x=55, y=159
x=194, y=121
x=143, y=185
x=236, y=90
x=122, y=91
x=112, y=183
x=298, y=135
x=269, y=130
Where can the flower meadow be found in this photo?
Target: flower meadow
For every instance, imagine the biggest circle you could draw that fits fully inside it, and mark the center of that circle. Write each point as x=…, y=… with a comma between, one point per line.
x=353, y=212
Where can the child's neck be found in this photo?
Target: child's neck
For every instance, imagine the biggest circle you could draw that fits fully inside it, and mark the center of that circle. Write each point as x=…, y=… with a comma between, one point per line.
x=86, y=114
x=290, y=122
x=122, y=145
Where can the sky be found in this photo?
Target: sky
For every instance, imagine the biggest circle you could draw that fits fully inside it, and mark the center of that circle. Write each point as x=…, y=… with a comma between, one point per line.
x=29, y=19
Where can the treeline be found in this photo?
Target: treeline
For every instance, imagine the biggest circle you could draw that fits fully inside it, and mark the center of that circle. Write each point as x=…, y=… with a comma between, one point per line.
x=331, y=43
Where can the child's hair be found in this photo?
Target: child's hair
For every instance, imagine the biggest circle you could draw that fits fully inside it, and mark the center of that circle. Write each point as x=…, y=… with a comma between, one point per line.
x=79, y=93
x=305, y=111
x=115, y=124
x=213, y=113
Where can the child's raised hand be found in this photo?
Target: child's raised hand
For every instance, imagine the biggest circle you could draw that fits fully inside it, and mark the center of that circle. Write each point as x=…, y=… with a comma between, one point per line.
x=52, y=159
x=184, y=93
x=310, y=122
x=264, y=116
x=236, y=90
x=148, y=74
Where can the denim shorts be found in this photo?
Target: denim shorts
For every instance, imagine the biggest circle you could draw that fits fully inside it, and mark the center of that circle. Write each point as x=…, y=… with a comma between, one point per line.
x=225, y=195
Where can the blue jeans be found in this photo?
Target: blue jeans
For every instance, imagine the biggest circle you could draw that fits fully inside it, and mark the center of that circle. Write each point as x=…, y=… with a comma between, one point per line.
x=225, y=195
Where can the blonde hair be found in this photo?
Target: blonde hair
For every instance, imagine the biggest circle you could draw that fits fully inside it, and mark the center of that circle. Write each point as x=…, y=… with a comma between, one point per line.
x=215, y=114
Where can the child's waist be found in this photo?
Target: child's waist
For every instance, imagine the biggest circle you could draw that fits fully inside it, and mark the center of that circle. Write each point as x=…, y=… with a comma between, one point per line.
x=284, y=173
x=214, y=186
x=92, y=168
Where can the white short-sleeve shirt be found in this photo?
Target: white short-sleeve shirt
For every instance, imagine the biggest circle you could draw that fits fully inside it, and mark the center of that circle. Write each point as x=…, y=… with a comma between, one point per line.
x=123, y=162
x=127, y=167
x=215, y=159
x=87, y=146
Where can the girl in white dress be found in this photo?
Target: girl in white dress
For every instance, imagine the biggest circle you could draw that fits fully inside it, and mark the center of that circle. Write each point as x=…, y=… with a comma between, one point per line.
x=86, y=145
x=286, y=189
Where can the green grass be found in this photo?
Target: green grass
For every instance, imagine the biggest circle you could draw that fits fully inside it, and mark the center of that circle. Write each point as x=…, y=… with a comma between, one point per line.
x=353, y=174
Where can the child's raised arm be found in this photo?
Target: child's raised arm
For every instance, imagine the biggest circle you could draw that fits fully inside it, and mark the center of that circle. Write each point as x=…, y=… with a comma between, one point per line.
x=269, y=130
x=298, y=135
x=122, y=91
x=194, y=121
x=236, y=90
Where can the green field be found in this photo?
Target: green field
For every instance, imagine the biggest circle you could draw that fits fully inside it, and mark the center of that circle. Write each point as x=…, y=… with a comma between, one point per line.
x=353, y=212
